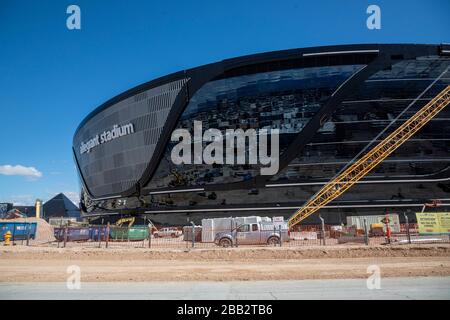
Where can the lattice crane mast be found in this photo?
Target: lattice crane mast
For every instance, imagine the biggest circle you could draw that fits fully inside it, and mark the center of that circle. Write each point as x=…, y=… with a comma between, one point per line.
x=370, y=160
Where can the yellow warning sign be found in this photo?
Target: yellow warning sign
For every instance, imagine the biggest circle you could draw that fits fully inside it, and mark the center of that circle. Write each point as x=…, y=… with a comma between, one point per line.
x=433, y=222
x=444, y=220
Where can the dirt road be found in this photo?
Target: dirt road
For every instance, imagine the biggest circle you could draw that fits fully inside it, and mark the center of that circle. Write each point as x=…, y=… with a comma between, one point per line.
x=36, y=264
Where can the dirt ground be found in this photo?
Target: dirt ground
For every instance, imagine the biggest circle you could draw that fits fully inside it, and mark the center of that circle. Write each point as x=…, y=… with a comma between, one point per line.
x=40, y=264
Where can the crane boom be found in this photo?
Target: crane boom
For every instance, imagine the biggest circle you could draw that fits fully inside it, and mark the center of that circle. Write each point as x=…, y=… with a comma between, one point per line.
x=370, y=160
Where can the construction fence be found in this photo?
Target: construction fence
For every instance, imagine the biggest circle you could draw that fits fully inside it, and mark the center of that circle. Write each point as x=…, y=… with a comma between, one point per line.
x=191, y=237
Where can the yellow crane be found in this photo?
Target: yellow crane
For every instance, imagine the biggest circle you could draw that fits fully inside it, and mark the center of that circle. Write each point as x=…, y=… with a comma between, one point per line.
x=364, y=165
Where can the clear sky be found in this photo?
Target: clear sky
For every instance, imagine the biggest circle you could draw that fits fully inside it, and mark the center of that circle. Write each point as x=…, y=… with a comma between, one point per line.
x=52, y=77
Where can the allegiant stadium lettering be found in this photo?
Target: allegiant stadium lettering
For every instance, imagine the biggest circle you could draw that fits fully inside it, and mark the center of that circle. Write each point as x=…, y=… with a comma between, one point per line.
x=106, y=136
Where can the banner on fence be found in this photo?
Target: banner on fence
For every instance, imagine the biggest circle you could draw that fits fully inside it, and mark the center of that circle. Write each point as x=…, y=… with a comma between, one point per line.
x=433, y=223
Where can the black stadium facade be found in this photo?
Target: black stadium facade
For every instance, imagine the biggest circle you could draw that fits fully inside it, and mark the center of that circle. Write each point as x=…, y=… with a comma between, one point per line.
x=328, y=103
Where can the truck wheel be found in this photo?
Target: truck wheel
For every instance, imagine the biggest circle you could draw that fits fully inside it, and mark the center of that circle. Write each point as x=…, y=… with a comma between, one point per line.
x=225, y=243
x=273, y=241
x=156, y=235
x=173, y=235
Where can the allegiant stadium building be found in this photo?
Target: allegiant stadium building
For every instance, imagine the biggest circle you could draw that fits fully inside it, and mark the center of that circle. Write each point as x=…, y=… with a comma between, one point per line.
x=329, y=104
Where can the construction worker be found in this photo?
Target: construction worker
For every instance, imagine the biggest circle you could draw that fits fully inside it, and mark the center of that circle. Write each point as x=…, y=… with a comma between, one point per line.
x=386, y=221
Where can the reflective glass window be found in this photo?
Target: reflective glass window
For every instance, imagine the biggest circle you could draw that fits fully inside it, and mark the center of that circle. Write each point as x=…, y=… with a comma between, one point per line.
x=285, y=100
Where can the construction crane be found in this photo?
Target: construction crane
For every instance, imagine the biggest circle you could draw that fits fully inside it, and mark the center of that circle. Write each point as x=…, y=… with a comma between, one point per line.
x=368, y=162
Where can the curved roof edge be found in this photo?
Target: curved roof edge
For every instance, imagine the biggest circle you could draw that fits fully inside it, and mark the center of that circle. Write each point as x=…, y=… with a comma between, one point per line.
x=251, y=59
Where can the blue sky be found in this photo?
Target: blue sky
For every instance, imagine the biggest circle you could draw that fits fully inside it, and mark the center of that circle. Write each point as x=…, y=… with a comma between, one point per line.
x=52, y=77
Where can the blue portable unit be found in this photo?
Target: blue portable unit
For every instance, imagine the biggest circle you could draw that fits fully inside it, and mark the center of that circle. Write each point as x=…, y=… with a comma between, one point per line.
x=58, y=233
x=97, y=233
x=19, y=230
x=73, y=234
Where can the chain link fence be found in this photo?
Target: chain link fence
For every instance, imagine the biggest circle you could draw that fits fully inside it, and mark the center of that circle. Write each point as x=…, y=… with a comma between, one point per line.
x=245, y=235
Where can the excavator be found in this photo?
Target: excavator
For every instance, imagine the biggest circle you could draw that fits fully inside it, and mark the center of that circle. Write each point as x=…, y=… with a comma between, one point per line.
x=130, y=221
x=357, y=170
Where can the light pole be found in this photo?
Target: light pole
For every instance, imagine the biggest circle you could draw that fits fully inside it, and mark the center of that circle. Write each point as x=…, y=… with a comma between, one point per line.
x=323, y=229
x=408, y=235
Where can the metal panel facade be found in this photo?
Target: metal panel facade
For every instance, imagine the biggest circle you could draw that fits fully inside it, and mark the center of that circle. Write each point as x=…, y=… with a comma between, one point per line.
x=113, y=163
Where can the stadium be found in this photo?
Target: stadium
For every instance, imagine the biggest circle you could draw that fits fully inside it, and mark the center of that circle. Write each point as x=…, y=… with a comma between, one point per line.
x=328, y=104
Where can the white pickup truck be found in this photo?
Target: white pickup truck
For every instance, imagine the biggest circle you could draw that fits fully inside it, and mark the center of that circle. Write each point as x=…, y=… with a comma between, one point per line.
x=253, y=233
x=167, y=232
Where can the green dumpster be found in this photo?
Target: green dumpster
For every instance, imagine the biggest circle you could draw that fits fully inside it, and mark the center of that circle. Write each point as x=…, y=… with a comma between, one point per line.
x=137, y=233
x=134, y=233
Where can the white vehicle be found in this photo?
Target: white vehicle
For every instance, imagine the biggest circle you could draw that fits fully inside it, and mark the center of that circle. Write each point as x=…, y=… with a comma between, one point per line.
x=167, y=232
x=253, y=233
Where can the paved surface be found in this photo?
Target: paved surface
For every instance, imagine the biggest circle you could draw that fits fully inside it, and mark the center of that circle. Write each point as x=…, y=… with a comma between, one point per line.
x=391, y=288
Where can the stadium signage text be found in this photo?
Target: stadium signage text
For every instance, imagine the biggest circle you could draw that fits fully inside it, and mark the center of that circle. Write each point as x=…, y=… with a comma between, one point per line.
x=233, y=142
x=106, y=136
